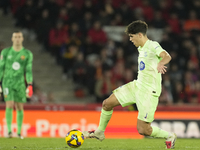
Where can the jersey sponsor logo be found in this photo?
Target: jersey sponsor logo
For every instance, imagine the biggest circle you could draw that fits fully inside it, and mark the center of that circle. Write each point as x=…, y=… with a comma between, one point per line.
x=10, y=56
x=16, y=66
x=22, y=57
x=5, y=91
x=142, y=65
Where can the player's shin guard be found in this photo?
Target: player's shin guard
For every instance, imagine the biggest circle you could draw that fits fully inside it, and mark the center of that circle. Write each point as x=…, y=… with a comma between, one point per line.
x=9, y=117
x=104, y=119
x=20, y=116
x=159, y=133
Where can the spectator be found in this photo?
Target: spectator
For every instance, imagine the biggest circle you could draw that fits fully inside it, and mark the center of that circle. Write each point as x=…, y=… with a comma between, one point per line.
x=4, y=4
x=196, y=7
x=189, y=85
x=88, y=6
x=16, y=5
x=97, y=35
x=147, y=10
x=179, y=94
x=198, y=45
x=197, y=90
x=63, y=15
x=68, y=59
x=44, y=24
x=174, y=23
x=165, y=97
x=79, y=70
x=53, y=9
x=57, y=37
x=179, y=8
x=106, y=61
x=38, y=96
x=26, y=16
x=192, y=23
x=72, y=11
x=103, y=86
x=128, y=76
x=175, y=73
x=158, y=21
x=88, y=47
x=125, y=11
x=86, y=22
x=74, y=31
x=117, y=20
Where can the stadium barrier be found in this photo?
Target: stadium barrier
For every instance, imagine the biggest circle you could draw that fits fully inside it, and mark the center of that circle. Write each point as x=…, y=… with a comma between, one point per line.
x=122, y=124
x=98, y=106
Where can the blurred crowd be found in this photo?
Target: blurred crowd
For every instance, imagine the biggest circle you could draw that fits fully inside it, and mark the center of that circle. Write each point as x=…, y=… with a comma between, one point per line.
x=72, y=31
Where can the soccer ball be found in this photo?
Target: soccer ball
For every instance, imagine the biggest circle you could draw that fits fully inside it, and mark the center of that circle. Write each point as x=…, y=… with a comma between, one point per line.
x=74, y=138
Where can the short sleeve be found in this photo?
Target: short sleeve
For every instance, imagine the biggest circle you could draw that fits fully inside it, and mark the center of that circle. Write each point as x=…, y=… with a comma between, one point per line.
x=157, y=48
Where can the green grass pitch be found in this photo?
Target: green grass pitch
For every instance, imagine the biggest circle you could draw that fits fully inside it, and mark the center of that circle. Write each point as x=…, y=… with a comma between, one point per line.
x=93, y=144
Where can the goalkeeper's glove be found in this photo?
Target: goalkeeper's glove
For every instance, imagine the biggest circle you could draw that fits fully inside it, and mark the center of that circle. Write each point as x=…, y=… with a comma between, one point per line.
x=29, y=91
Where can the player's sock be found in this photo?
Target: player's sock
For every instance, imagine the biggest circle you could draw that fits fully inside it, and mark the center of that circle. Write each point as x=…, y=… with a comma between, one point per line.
x=20, y=116
x=104, y=119
x=159, y=133
x=9, y=117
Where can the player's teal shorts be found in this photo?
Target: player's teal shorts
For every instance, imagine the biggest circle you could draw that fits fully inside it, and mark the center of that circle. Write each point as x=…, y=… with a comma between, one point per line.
x=16, y=95
x=129, y=94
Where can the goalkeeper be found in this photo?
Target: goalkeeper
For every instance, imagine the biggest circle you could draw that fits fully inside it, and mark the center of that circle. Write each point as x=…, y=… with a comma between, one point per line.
x=15, y=69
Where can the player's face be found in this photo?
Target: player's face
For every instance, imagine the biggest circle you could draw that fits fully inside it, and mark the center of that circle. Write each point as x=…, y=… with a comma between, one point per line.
x=17, y=38
x=135, y=39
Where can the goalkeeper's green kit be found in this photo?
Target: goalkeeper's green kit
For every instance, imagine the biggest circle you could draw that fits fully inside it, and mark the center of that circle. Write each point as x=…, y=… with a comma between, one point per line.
x=15, y=69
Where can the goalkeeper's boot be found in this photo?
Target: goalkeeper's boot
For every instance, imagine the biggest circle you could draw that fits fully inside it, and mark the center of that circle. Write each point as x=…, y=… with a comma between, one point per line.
x=10, y=135
x=170, y=142
x=20, y=136
x=94, y=134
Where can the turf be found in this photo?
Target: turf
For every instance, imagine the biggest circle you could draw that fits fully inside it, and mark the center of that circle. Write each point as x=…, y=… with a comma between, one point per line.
x=93, y=144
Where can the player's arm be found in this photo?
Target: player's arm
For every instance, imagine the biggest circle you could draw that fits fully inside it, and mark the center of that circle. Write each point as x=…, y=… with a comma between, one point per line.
x=2, y=66
x=165, y=60
x=29, y=75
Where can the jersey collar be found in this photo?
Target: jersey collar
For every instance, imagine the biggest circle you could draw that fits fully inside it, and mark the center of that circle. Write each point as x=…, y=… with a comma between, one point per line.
x=146, y=43
x=17, y=51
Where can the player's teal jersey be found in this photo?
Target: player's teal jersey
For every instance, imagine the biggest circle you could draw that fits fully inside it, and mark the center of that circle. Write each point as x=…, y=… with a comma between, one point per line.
x=148, y=77
x=15, y=65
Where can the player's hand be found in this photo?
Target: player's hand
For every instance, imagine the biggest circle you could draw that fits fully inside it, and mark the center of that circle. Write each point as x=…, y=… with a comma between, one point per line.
x=161, y=68
x=29, y=91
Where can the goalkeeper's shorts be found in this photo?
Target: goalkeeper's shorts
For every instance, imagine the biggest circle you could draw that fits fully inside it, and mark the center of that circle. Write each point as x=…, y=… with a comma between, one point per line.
x=17, y=95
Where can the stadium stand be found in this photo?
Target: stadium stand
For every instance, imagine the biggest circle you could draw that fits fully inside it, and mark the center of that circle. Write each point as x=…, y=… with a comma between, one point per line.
x=85, y=39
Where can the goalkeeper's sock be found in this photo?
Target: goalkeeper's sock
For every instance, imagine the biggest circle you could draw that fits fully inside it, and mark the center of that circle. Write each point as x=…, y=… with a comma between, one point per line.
x=9, y=117
x=159, y=133
x=104, y=119
x=20, y=116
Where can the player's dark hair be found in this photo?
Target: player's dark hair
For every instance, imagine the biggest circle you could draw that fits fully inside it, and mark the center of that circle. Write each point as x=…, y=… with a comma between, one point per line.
x=17, y=31
x=136, y=27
